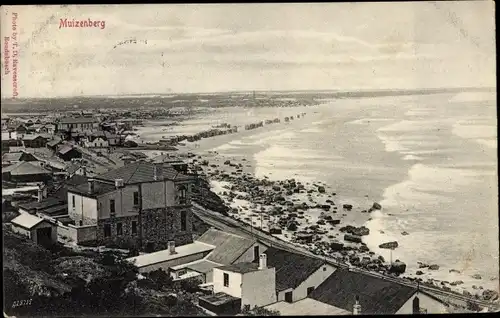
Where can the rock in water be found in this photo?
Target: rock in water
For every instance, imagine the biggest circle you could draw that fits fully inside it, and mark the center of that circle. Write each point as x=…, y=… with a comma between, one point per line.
x=376, y=206
x=321, y=189
x=352, y=238
x=398, y=267
x=476, y=276
x=419, y=273
x=405, y=233
x=389, y=245
x=434, y=267
x=347, y=207
x=489, y=294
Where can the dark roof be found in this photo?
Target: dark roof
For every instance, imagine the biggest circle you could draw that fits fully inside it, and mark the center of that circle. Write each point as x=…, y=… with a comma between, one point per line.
x=55, y=210
x=16, y=156
x=99, y=188
x=32, y=137
x=77, y=120
x=228, y=247
x=25, y=168
x=46, y=203
x=376, y=295
x=219, y=299
x=62, y=191
x=140, y=172
x=54, y=142
x=241, y=268
x=65, y=149
x=291, y=268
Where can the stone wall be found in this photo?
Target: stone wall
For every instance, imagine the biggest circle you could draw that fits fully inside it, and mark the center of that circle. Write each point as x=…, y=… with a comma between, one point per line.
x=126, y=222
x=164, y=224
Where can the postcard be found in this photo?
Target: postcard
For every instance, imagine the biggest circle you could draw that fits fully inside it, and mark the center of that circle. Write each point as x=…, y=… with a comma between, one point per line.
x=249, y=159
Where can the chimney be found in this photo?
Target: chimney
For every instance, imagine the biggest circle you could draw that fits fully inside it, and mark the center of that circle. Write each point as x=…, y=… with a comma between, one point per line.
x=84, y=171
x=416, y=305
x=40, y=194
x=171, y=247
x=262, y=261
x=91, y=185
x=357, y=307
x=119, y=183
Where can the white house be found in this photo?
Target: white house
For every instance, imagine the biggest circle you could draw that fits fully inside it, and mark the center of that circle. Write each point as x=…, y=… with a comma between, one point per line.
x=374, y=295
x=40, y=231
x=239, y=285
x=136, y=202
x=297, y=275
x=229, y=249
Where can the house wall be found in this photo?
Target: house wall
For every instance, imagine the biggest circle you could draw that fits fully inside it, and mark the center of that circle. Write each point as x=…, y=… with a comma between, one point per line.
x=433, y=306
x=20, y=230
x=85, y=209
x=235, y=283
x=158, y=226
x=248, y=256
x=127, y=234
x=314, y=280
x=124, y=202
x=158, y=194
x=174, y=262
x=98, y=142
x=43, y=225
x=259, y=288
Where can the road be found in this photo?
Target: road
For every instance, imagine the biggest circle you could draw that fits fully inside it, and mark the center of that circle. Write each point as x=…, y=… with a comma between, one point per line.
x=231, y=225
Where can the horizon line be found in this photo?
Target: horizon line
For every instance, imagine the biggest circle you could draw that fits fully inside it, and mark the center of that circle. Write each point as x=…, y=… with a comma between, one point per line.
x=257, y=91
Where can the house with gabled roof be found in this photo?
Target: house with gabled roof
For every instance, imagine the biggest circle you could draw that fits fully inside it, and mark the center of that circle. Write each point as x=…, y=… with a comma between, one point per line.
x=347, y=289
x=297, y=275
x=41, y=231
x=34, y=141
x=78, y=124
x=25, y=171
x=229, y=249
x=143, y=203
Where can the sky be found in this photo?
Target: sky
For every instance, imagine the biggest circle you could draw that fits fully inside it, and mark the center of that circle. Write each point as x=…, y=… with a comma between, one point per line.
x=233, y=47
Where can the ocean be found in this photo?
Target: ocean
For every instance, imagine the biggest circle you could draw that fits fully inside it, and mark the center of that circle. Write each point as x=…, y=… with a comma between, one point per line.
x=429, y=160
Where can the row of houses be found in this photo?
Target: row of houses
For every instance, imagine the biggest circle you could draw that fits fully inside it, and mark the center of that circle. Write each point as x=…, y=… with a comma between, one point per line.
x=148, y=205
x=240, y=272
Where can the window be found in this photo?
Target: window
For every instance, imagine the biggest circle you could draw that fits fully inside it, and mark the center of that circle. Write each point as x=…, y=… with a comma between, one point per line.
x=324, y=269
x=182, y=195
x=310, y=290
x=183, y=220
x=107, y=230
x=81, y=223
x=134, y=227
x=256, y=252
x=112, y=206
x=226, y=280
x=119, y=229
x=74, y=204
x=136, y=198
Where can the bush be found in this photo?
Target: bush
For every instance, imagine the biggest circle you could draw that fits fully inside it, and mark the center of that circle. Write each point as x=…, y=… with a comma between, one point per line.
x=259, y=311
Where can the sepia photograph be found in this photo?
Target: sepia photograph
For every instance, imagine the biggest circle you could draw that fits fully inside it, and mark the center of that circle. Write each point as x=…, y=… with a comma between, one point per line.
x=250, y=159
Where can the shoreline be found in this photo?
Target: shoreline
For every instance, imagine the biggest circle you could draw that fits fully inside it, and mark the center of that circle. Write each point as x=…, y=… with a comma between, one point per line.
x=228, y=178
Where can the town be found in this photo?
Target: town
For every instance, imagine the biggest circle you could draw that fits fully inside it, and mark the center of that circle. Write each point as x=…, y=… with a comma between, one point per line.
x=77, y=182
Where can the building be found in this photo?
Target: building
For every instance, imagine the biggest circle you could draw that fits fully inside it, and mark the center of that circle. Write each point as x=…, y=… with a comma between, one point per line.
x=34, y=141
x=239, y=285
x=52, y=145
x=26, y=172
x=375, y=295
x=307, y=307
x=171, y=257
x=68, y=152
x=229, y=249
x=95, y=140
x=15, y=157
x=143, y=203
x=77, y=124
x=40, y=231
x=297, y=275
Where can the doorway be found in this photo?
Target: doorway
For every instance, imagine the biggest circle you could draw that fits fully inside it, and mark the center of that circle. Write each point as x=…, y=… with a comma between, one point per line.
x=44, y=236
x=289, y=297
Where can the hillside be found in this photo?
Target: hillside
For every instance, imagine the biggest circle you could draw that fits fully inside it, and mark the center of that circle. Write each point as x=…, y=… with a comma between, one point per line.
x=59, y=281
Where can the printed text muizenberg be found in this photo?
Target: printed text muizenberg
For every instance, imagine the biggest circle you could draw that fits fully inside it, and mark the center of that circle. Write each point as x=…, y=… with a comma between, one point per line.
x=65, y=23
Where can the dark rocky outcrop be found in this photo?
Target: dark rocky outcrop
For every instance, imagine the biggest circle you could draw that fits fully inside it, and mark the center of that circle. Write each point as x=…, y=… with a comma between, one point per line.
x=376, y=206
x=397, y=267
x=352, y=238
x=389, y=245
